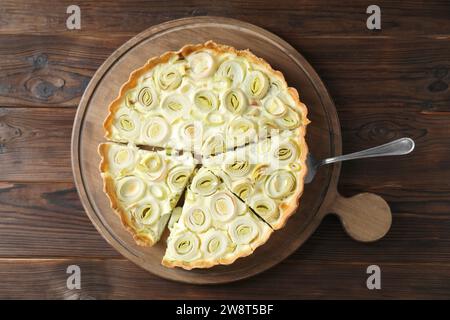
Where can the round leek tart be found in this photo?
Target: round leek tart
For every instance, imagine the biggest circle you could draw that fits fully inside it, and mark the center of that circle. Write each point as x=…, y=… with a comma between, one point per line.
x=247, y=125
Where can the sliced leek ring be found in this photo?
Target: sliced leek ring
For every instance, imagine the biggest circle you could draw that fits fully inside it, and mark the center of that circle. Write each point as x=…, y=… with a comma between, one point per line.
x=243, y=189
x=206, y=101
x=275, y=107
x=205, y=183
x=265, y=207
x=201, y=64
x=231, y=70
x=242, y=129
x=223, y=206
x=275, y=86
x=130, y=188
x=290, y=120
x=153, y=166
x=259, y=172
x=287, y=152
x=236, y=167
x=147, y=213
x=197, y=219
x=280, y=184
x=243, y=230
x=147, y=99
x=184, y=246
x=256, y=85
x=214, y=244
x=213, y=145
x=178, y=177
x=127, y=123
x=175, y=104
x=235, y=101
x=122, y=158
x=155, y=130
x=169, y=77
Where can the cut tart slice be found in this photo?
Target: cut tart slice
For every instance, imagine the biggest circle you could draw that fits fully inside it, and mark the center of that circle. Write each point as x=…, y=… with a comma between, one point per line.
x=205, y=98
x=214, y=227
x=268, y=176
x=144, y=186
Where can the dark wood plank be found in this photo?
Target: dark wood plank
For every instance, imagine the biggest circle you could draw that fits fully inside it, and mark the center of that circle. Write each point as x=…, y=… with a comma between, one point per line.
x=49, y=70
x=306, y=17
x=119, y=279
x=47, y=220
x=35, y=144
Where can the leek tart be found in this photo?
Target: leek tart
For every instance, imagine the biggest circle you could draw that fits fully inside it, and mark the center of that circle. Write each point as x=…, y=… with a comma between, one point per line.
x=236, y=113
x=268, y=175
x=214, y=227
x=181, y=99
x=143, y=187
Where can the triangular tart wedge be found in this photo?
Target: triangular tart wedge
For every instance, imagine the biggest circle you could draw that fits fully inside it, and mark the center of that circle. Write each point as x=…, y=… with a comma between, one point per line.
x=215, y=227
x=268, y=175
x=205, y=98
x=144, y=187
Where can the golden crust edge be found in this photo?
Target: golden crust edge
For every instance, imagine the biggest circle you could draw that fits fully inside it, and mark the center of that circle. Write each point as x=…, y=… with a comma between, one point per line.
x=108, y=188
x=287, y=209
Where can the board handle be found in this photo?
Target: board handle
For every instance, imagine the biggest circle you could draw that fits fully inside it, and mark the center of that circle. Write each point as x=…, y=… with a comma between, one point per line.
x=365, y=217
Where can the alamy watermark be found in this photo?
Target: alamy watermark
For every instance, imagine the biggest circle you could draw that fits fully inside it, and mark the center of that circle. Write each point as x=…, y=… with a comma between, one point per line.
x=73, y=21
x=373, y=22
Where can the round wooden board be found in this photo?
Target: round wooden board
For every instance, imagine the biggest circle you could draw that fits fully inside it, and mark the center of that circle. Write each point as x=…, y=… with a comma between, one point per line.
x=323, y=137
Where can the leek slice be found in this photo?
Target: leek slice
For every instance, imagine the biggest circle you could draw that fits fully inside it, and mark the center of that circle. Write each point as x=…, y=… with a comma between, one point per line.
x=201, y=64
x=280, y=184
x=204, y=183
x=231, y=70
x=256, y=84
x=130, y=188
x=206, y=101
x=243, y=230
x=214, y=244
x=178, y=177
x=265, y=207
x=156, y=130
x=235, y=101
x=197, y=219
x=223, y=206
x=147, y=99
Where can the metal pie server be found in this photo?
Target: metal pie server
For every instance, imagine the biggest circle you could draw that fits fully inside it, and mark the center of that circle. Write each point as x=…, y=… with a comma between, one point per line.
x=394, y=148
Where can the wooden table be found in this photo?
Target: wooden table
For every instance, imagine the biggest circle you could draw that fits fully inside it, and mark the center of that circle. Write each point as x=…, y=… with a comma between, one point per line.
x=386, y=84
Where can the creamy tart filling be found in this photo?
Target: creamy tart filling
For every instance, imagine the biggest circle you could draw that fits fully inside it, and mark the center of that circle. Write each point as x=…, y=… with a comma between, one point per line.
x=267, y=176
x=232, y=110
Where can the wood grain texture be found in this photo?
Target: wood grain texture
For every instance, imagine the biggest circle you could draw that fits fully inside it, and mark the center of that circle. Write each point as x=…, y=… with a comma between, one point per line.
x=120, y=279
x=34, y=144
x=308, y=17
x=385, y=85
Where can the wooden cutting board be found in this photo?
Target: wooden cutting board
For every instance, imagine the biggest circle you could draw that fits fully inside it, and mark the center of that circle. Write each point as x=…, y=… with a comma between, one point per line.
x=365, y=217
